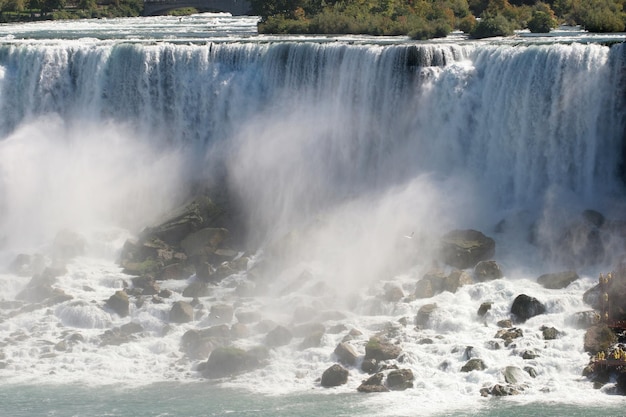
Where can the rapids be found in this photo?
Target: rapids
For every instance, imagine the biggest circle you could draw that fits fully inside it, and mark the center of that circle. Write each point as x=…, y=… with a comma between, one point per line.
x=105, y=126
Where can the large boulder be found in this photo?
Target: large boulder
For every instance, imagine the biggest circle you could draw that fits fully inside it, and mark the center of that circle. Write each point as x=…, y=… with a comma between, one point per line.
x=346, y=354
x=557, y=281
x=424, y=313
x=457, y=279
x=279, y=336
x=119, y=303
x=181, y=312
x=465, y=248
x=373, y=384
x=487, y=271
x=525, y=307
x=229, y=361
x=204, y=242
x=400, y=379
x=334, y=376
x=381, y=349
x=599, y=338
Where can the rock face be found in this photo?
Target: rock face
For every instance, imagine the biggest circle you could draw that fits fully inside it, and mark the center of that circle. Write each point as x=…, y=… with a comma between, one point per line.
x=558, y=280
x=192, y=238
x=465, y=248
x=525, y=307
x=334, y=376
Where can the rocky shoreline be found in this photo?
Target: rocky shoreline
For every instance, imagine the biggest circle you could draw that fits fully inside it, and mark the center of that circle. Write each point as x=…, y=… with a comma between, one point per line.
x=195, y=241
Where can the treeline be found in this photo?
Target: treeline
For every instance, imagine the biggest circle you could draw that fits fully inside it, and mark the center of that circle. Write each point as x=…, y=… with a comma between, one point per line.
x=21, y=10
x=425, y=19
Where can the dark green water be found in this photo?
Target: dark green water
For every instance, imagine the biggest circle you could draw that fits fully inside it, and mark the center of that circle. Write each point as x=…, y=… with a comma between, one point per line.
x=203, y=399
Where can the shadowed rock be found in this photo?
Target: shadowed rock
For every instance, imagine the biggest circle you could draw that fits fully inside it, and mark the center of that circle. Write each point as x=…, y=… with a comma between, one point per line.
x=465, y=248
x=334, y=376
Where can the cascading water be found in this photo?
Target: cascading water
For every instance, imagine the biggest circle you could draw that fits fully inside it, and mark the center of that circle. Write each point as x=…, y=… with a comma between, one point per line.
x=353, y=145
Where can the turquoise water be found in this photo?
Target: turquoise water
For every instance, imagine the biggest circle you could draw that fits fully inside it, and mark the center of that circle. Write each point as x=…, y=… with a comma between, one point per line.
x=205, y=399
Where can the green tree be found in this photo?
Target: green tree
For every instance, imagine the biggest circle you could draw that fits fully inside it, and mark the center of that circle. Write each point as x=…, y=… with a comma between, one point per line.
x=492, y=26
x=543, y=19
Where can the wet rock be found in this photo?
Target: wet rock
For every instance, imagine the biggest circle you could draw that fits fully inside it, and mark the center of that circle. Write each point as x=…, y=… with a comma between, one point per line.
x=487, y=271
x=508, y=335
x=381, y=349
x=312, y=340
x=514, y=375
x=373, y=384
x=247, y=317
x=346, y=354
x=499, y=390
x=181, y=312
x=474, y=364
x=549, y=333
x=228, y=361
x=424, y=314
x=370, y=366
x=457, y=279
x=334, y=376
x=280, y=336
x=197, y=289
x=239, y=331
x=400, y=379
x=119, y=303
x=203, y=242
x=221, y=313
x=506, y=323
x=529, y=354
x=393, y=293
x=465, y=248
x=307, y=329
x=147, y=284
x=559, y=280
x=599, y=338
x=584, y=319
x=532, y=372
x=165, y=293
x=525, y=307
x=484, y=308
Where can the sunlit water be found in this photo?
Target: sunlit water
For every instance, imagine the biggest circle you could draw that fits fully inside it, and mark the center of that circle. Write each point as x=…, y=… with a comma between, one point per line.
x=105, y=124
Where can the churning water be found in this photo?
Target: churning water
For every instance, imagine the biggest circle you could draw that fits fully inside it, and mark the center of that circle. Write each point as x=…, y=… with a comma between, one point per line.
x=105, y=125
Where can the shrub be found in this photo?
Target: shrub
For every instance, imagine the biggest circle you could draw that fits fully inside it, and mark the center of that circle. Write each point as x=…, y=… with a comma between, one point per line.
x=541, y=22
x=492, y=26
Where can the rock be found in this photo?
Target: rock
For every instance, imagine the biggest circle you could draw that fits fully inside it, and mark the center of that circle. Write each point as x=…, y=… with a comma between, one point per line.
x=181, y=312
x=525, y=307
x=312, y=340
x=509, y=334
x=195, y=346
x=393, y=293
x=505, y=323
x=424, y=314
x=592, y=297
x=465, y=248
x=529, y=354
x=584, y=319
x=26, y=265
x=131, y=328
x=370, y=366
x=549, y=333
x=599, y=338
x=530, y=371
x=499, y=390
x=346, y=354
x=308, y=329
x=239, y=331
x=474, y=364
x=514, y=375
x=228, y=361
x=334, y=376
x=373, y=384
x=484, y=308
x=67, y=245
x=119, y=303
x=196, y=289
x=147, y=284
x=457, y=279
x=423, y=289
x=381, y=350
x=487, y=271
x=247, y=317
x=280, y=336
x=557, y=280
x=400, y=379
x=221, y=313
x=203, y=242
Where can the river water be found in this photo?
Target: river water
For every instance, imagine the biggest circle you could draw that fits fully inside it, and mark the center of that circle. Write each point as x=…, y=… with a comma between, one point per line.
x=363, y=142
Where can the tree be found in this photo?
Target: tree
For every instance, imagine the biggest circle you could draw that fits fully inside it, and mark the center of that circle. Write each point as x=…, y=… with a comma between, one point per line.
x=492, y=26
x=543, y=19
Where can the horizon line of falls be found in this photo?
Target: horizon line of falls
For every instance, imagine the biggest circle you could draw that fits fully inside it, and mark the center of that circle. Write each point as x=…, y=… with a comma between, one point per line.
x=335, y=151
